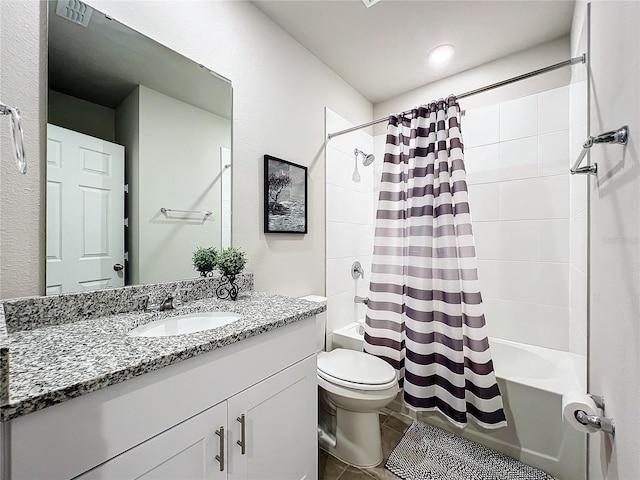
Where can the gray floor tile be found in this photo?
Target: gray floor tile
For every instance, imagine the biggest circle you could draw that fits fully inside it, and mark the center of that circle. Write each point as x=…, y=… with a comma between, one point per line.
x=390, y=439
x=329, y=467
x=398, y=422
x=354, y=473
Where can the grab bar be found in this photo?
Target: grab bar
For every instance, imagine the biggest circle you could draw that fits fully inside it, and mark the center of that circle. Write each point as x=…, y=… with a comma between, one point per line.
x=619, y=136
x=206, y=213
x=17, y=136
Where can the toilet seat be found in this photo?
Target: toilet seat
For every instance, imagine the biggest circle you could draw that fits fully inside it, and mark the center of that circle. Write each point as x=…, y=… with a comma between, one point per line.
x=356, y=370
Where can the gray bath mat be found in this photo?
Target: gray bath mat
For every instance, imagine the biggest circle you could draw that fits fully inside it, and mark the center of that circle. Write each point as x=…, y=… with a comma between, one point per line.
x=429, y=453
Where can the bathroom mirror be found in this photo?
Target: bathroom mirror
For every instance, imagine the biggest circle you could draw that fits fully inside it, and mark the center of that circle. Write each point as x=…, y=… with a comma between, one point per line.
x=126, y=110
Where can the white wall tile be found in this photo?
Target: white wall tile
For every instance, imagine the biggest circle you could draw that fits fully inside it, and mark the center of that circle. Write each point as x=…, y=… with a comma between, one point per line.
x=578, y=186
x=552, y=327
x=553, y=240
x=519, y=118
x=519, y=159
x=578, y=250
x=553, y=197
x=519, y=281
x=513, y=321
x=482, y=164
x=339, y=279
x=490, y=278
x=341, y=311
x=484, y=202
x=480, y=126
x=488, y=241
x=553, y=284
x=578, y=310
x=492, y=316
x=519, y=240
x=335, y=200
x=553, y=110
x=553, y=153
x=339, y=168
x=518, y=199
x=578, y=104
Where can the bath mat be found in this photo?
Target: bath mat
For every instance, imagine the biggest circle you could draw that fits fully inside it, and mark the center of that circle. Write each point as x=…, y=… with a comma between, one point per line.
x=429, y=453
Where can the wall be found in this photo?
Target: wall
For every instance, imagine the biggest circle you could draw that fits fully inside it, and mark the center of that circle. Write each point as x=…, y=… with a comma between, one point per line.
x=516, y=146
x=22, y=75
x=614, y=346
x=350, y=218
x=176, y=166
x=81, y=116
x=128, y=134
x=276, y=112
x=517, y=159
x=492, y=72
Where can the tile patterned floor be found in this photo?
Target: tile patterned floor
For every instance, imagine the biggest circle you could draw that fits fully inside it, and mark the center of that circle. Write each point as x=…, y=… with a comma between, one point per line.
x=392, y=425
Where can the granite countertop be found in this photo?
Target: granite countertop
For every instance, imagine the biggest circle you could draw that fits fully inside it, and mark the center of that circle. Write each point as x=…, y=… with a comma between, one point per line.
x=52, y=364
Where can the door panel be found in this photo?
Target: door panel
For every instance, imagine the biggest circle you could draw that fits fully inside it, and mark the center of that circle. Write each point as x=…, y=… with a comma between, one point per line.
x=186, y=452
x=85, y=212
x=280, y=426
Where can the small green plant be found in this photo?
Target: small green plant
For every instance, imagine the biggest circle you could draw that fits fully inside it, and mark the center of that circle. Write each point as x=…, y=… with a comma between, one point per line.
x=231, y=261
x=205, y=259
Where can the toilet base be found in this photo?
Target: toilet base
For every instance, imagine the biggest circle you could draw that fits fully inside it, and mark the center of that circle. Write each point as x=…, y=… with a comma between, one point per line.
x=358, y=440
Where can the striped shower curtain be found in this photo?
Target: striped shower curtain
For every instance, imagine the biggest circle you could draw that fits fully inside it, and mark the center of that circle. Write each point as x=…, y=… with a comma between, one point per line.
x=425, y=314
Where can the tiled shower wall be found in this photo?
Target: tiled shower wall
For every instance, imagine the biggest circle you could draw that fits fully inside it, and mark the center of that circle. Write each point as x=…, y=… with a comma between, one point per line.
x=349, y=223
x=517, y=157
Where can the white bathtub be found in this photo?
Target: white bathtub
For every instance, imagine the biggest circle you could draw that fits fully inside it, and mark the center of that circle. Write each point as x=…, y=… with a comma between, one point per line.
x=531, y=380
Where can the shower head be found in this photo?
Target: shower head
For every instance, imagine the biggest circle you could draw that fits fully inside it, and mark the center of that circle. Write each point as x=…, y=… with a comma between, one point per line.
x=366, y=159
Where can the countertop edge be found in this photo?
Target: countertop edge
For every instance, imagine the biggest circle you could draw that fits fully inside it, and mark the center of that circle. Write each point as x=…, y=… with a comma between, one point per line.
x=10, y=411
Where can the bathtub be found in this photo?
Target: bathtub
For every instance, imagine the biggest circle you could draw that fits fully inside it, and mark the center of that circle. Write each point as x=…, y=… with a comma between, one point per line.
x=532, y=381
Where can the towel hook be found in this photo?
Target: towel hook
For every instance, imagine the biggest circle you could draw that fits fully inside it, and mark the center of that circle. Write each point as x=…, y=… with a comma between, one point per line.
x=620, y=136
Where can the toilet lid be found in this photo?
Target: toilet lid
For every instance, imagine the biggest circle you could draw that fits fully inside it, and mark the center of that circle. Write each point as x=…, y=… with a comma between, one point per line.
x=356, y=367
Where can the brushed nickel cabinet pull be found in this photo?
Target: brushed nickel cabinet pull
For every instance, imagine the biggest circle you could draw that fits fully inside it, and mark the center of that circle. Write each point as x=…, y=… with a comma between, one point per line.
x=220, y=458
x=243, y=441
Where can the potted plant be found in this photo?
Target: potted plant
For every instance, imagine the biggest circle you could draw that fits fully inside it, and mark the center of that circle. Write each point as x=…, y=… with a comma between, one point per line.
x=204, y=260
x=230, y=262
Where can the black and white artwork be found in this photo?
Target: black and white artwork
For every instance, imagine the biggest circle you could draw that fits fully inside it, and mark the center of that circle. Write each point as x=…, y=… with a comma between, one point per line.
x=285, y=196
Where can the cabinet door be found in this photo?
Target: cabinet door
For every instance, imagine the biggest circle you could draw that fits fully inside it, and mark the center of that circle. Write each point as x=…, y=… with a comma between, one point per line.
x=280, y=415
x=186, y=452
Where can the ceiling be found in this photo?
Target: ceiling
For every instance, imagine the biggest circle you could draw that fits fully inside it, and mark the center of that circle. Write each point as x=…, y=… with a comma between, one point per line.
x=381, y=51
x=104, y=62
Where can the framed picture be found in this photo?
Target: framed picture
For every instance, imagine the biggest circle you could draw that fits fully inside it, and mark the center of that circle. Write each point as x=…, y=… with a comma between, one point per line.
x=285, y=196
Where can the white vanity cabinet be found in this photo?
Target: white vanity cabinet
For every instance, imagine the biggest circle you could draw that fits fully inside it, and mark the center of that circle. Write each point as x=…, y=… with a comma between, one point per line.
x=274, y=413
x=163, y=424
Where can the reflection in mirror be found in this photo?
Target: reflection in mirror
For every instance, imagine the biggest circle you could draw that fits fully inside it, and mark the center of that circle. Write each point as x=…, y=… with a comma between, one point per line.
x=125, y=110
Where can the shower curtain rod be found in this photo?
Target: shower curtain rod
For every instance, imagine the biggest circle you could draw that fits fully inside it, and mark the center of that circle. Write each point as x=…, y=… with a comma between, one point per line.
x=572, y=61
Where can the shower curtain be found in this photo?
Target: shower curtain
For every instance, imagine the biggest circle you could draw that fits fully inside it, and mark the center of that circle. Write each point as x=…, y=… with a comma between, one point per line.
x=425, y=314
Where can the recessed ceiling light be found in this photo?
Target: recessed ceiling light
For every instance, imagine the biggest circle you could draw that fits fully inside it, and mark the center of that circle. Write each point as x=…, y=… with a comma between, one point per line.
x=440, y=56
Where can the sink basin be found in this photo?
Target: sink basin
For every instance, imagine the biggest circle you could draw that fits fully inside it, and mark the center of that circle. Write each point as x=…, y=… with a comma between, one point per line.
x=183, y=324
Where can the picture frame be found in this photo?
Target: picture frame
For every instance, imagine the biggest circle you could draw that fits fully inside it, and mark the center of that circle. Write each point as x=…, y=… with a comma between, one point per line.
x=285, y=196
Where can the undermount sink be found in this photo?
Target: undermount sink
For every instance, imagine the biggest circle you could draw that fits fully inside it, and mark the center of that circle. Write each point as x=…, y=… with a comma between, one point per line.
x=183, y=324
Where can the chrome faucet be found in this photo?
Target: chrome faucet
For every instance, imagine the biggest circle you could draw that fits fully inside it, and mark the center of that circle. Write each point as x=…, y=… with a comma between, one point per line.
x=170, y=302
x=358, y=299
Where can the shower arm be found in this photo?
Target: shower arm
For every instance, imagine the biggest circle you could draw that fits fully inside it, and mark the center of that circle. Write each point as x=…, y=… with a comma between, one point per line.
x=619, y=136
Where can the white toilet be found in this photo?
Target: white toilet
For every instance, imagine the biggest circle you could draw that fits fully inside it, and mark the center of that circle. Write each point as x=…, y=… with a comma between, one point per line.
x=356, y=384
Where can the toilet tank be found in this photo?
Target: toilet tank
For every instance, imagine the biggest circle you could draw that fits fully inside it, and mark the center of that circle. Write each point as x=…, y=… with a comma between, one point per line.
x=321, y=321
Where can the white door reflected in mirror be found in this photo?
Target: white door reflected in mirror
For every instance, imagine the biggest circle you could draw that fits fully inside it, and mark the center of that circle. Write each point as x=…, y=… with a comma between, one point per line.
x=85, y=212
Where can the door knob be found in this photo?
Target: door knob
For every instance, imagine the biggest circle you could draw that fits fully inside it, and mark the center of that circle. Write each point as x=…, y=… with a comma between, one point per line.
x=118, y=267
